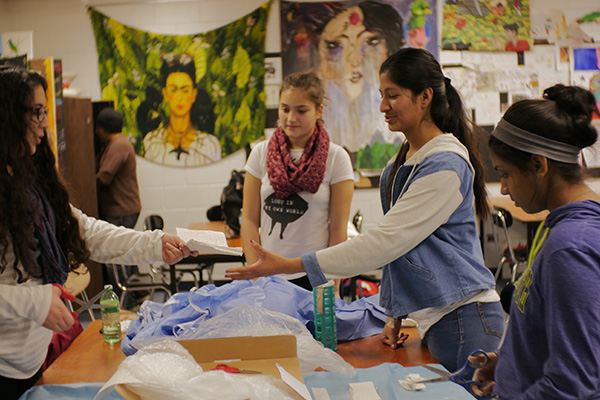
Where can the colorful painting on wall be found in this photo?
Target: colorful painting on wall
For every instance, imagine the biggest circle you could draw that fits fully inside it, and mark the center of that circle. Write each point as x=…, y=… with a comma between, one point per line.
x=186, y=100
x=551, y=26
x=344, y=44
x=482, y=25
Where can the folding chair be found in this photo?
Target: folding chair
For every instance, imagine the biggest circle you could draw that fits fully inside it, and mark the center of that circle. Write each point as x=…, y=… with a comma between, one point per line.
x=514, y=258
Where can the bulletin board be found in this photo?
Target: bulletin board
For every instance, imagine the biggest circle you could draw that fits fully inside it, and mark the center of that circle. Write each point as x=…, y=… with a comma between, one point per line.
x=563, y=51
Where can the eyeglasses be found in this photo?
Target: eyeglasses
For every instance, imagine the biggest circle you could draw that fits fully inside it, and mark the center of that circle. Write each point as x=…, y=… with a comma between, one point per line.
x=39, y=113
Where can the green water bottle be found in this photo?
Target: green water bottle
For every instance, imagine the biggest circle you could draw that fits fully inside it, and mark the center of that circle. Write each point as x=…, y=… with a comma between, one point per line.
x=111, y=322
x=324, y=309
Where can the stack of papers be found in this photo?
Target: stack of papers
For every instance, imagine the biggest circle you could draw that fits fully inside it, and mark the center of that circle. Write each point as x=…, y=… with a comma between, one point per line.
x=212, y=242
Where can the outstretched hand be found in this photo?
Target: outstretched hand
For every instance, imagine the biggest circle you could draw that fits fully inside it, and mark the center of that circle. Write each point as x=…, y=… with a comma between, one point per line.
x=267, y=264
x=174, y=249
x=484, y=374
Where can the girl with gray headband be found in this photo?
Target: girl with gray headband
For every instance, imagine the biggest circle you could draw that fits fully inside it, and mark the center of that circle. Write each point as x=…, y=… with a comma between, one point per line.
x=552, y=340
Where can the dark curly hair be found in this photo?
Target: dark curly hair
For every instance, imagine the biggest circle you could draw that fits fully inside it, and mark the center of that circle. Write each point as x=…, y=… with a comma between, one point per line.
x=564, y=114
x=19, y=171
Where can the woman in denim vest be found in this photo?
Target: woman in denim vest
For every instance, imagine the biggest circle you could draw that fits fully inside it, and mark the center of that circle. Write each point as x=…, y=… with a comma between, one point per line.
x=427, y=241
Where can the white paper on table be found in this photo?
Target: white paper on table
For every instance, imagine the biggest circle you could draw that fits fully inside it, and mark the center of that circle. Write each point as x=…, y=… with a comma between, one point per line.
x=213, y=242
x=294, y=383
x=363, y=391
x=320, y=394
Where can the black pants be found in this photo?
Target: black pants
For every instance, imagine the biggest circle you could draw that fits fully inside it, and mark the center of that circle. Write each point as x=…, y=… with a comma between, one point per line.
x=303, y=282
x=12, y=389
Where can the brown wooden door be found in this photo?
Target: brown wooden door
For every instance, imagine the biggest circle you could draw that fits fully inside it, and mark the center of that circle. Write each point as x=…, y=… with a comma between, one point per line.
x=80, y=168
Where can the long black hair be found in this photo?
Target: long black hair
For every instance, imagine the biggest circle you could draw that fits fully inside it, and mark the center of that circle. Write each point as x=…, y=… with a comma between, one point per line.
x=19, y=171
x=564, y=114
x=417, y=70
x=384, y=19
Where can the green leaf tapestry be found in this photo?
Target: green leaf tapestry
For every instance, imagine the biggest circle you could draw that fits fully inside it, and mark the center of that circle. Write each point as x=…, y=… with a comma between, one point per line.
x=186, y=100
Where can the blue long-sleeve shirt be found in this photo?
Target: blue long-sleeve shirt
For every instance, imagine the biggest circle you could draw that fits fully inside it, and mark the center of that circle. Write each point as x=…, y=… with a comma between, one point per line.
x=552, y=346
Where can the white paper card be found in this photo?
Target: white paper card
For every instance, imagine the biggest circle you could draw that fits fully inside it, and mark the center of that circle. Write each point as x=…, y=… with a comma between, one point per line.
x=212, y=242
x=320, y=394
x=294, y=383
x=363, y=391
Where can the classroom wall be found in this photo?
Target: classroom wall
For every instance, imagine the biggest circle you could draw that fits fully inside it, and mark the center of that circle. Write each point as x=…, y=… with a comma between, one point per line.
x=61, y=29
x=2, y=12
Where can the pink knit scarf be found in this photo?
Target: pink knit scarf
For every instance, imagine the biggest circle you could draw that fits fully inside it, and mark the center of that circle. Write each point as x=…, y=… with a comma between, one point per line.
x=288, y=178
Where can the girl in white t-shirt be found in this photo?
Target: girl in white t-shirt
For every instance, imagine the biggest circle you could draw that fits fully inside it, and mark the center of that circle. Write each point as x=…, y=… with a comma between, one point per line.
x=298, y=185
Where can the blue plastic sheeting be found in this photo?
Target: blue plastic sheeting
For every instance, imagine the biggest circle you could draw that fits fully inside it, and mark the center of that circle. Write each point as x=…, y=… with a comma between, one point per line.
x=75, y=391
x=356, y=320
x=385, y=378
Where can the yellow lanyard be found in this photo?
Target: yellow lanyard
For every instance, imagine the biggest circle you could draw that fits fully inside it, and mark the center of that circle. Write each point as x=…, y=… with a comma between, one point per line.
x=525, y=280
x=537, y=242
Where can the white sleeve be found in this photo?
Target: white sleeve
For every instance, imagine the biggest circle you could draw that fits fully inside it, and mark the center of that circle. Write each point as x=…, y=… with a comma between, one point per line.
x=427, y=204
x=108, y=243
x=26, y=301
x=257, y=160
x=341, y=166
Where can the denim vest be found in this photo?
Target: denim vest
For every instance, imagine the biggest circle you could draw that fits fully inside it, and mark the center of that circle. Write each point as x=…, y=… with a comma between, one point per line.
x=448, y=265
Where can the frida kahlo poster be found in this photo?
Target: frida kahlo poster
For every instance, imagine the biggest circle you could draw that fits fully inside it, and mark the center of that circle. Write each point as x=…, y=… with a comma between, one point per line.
x=345, y=44
x=186, y=100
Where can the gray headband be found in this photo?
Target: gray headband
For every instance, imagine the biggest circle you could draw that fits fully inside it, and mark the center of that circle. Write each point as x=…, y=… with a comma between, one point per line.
x=529, y=142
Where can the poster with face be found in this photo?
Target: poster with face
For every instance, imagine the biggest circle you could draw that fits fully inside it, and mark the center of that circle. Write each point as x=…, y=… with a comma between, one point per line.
x=345, y=44
x=186, y=100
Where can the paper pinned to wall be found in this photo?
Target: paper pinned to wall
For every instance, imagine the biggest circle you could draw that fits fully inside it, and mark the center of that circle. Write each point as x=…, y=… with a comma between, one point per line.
x=547, y=79
x=497, y=59
x=541, y=58
x=487, y=107
x=17, y=43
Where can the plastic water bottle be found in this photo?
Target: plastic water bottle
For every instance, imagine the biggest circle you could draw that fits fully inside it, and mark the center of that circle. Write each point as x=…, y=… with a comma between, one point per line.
x=325, y=321
x=111, y=322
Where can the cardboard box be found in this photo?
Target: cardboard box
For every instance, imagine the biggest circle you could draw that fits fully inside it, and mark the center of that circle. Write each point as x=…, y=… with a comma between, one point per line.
x=257, y=353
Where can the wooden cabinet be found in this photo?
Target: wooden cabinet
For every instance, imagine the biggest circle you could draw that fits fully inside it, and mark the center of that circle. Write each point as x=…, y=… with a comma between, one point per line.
x=79, y=168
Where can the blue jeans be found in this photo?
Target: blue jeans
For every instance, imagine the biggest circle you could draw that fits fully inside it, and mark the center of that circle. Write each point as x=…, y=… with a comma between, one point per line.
x=470, y=327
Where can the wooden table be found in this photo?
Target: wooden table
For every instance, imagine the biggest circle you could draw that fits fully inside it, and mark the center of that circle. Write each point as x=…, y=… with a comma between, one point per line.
x=370, y=352
x=531, y=220
x=507, y=204
x=205, y=260
x=90, y=359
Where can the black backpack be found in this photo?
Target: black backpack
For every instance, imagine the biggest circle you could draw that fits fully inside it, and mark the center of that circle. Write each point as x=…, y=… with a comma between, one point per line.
x=231, y=200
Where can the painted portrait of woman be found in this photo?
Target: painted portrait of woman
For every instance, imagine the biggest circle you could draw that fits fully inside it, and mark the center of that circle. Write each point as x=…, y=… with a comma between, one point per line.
x=345, y=44
x=352, y=47
x=183, y=139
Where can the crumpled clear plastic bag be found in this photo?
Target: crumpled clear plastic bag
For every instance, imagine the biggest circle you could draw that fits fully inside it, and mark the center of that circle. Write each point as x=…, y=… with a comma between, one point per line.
x=248, y=320
x=165, y=370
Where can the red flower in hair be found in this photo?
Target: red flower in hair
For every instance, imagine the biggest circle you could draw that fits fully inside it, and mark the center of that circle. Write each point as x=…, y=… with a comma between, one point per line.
x=301, y=39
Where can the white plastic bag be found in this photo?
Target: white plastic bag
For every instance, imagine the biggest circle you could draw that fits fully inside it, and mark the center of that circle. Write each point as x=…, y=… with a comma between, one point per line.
x=165, y=370
x=247, y=320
